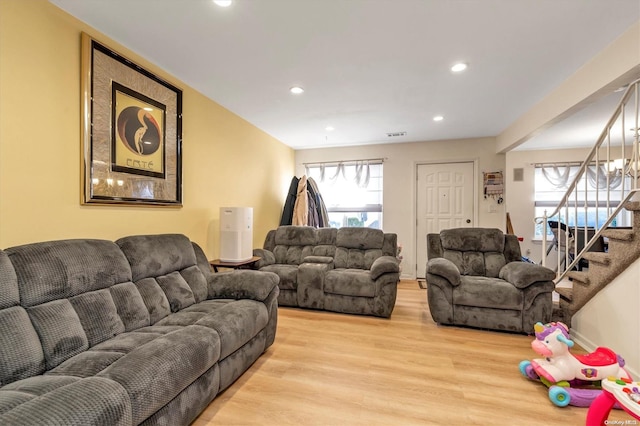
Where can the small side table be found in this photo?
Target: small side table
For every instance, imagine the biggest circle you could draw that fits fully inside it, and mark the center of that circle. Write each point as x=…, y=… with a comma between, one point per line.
x=245, y=264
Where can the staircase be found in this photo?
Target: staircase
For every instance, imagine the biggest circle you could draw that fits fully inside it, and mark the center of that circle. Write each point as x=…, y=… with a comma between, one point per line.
x=624, y=249
x=608, y=180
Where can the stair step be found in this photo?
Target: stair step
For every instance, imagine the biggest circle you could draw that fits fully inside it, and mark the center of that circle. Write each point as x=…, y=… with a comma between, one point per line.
x=579, y=277
x=624, y=247
x=565, y=293
x=598, y=257
x=632, y=206
x=618, y=234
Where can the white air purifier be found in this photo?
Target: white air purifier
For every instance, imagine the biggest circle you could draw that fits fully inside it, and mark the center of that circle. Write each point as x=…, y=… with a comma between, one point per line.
x=236, y=234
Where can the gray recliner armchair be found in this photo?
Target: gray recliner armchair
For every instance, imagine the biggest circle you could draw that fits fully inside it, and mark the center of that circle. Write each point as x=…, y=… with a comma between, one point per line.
x=476, y=277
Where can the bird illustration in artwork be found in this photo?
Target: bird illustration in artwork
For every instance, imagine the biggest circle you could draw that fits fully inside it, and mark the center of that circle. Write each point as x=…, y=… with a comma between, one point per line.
x=139, y=134
x=139, y=130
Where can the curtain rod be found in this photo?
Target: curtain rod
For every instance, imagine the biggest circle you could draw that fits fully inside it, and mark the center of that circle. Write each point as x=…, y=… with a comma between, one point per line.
x=560, y=163
x=565, y=163
x=377, y=160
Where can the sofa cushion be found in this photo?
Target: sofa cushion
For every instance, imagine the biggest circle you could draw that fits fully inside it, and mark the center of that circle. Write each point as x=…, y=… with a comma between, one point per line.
x=493, y=263
x=21, y=354
x=384, y=265
x=288, y=275
x=236, y=323
x=196, y=281
x=9, y=294
x=131, y=308
x=61, y=269
x=182, y=318
x=291, y=255
x=349, y=282
x=157, y=255
x=126, y=342
x=326, y=236
x=154, y=373
x=98, y=315
x=178, y=292
x=60, y=331
x=355, y=258
x=487, y=293
x=295, y=236
x=50, y=400
x=360, y=238
x=86, y=364
x=154, y=299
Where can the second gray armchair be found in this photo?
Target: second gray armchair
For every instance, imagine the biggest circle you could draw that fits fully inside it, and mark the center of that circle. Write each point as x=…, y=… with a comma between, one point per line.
x=476, y=277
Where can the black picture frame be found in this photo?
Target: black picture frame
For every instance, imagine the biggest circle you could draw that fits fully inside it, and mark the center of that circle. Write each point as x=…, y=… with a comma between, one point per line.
x=131, y=132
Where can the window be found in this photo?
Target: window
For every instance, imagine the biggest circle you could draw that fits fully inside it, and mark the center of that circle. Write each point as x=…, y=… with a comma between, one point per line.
x=352, y=192
x=552, y=182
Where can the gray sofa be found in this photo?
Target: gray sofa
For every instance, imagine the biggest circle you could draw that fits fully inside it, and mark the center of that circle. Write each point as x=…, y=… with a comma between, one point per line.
x=138, y=331
x=348, y=270
x=476, y=277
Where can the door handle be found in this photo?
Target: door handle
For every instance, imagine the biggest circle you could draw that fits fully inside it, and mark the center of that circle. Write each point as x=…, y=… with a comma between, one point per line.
x=468, y=220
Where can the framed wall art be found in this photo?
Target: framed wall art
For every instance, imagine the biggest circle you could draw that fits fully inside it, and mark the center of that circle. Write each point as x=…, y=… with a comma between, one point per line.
x=131, y=132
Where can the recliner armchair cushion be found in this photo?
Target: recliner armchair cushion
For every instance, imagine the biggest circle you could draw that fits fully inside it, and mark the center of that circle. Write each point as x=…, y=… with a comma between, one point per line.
x=523, y=274
x=444, y=268
x=360, y=238
x=288, y=275
x=475, y=251
x=383, y=265
x=487, y=293
x=349, y=282
x=318, y=259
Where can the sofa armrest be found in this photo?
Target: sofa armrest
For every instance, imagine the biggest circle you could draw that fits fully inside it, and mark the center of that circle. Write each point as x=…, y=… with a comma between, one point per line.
x=319, y=259
x=444, y=268
x=243, y=284
x=266, y=257
x=384, y=265
x=523, y=274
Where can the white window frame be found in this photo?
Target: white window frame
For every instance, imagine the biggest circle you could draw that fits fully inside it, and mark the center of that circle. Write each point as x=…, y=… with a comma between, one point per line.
x=348, y=187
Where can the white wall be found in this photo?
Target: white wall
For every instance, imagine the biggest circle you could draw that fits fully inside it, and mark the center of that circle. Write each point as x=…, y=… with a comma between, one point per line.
x=616, y=65
x=520, y=195
x=399, y=190
x=612, y=319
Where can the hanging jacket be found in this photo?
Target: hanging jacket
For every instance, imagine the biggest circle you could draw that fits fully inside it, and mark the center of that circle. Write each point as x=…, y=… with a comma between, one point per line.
x=287, y=210
x=323, y=215
x=300, y=208
x=312, y=219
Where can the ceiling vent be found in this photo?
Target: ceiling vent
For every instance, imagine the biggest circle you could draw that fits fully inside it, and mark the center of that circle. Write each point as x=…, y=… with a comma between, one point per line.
x=396, y=134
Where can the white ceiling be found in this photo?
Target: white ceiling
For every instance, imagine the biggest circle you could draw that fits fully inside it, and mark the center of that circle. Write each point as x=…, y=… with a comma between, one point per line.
x=368, y=67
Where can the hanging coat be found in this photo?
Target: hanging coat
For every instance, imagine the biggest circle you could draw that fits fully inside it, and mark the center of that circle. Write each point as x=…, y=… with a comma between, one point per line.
x=312, y=219
x=323, y=215
x=287, y=210
x=300, y=208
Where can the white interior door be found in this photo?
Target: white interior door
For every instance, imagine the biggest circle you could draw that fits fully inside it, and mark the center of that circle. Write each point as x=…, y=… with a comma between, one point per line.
x=445, y=199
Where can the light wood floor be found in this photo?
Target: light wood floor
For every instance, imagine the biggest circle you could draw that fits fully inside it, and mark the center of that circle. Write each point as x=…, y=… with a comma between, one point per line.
x=335, y=369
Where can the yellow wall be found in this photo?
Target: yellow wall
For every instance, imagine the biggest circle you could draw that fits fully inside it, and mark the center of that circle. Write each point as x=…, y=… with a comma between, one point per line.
x=226, y=160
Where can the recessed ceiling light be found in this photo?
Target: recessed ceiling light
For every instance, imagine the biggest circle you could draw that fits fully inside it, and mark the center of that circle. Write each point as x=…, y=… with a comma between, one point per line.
x=329, y=128
x=223, y=3
x=459, y=67
x=296, y=90
x=438, y=118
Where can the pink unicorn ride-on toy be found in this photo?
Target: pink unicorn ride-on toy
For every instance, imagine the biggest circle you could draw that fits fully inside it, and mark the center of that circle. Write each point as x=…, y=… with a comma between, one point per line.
x=571, y=379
